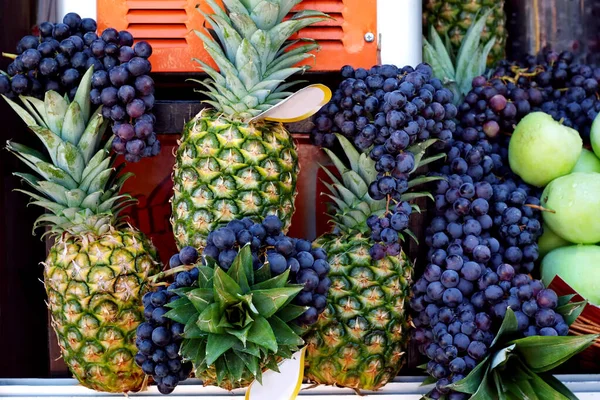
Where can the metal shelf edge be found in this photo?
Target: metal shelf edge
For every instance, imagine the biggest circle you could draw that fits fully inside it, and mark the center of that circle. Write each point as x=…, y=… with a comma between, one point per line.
x=585, y=387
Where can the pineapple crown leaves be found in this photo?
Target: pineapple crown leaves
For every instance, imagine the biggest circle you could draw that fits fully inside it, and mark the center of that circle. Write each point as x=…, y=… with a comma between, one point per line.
x=237, y=321
x=249, y=42
x=350, y=200
x=457, y=71
x=518, y=368
x=75, y=180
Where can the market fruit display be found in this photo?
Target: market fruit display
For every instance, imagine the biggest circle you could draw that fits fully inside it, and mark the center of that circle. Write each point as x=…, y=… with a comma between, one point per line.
x=550, y=241
x=360, y=339
x=96, y=271
x=577, y=265
x=541, y=149
x=240, y=309
x=573, y=206
x=226, y=166
x=58, y=58
x=454, y=18
x=587, y=162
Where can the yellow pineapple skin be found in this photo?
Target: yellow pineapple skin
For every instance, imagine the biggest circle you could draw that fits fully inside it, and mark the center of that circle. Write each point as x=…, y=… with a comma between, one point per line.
x=94, y=286
x=360, y=340
x=227, y=169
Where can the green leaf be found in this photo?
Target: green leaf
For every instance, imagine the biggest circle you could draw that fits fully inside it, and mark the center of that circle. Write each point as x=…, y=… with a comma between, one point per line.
x=222, y=370
x=181, y=314
x=209, y=319
x=50, y=140
x=262, y=334
x=192, y=348
x=562, y=300
x=545, y=391
x=241, y=269
x=442, y=53
x=25, y=116
x=251, y=362
x=469, y=48
x=217, y=345
x=191, y=330
x=180, y=302
x=200, y=298
x=428, y=381
x=558, y=386
x=290, y=312
x=56, y=107
x=277, y=281
x=226, y=290
x=250, y=348
x=235, y=365
x=485, y=391
x=423, y=180
x=499, y=386
x=205, y=276
x=509, y=326
x=268, y=301
x=543, y=353
x=70, y=159
x=501, y=357
x=284, y=334
x=36, y=108
x=262, y=274
x=470, y=383
x=88, y=143
x=73, y=124
x=82, y=96
x=241, y=334
x=571, y=311
x=415, y=195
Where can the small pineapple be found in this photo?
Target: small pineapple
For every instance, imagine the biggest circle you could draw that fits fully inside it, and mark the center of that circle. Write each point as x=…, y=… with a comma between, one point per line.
x=360, y=339
x=226, y=166
x=453, y=18
x=95, y=274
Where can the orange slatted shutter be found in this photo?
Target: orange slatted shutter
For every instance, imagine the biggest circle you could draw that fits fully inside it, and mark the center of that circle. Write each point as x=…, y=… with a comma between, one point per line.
x=168, y=26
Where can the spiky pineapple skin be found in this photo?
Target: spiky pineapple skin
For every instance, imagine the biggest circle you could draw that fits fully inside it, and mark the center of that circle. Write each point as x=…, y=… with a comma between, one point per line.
x=360, y=339
x=454, y=17
x=94, y=286
x=228, y=170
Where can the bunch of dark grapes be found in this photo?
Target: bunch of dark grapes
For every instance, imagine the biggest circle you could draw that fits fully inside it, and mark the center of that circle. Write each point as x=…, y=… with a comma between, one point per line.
x=58, y=58
x=384, y=110
x=483, y=239
x=386, y=229
x=308, y=266
x=159, y=338
x=549, y=82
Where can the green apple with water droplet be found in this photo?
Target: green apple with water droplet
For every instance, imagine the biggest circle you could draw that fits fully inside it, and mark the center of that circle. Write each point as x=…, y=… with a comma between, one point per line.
x=587, y=162
x=578, y=266
x=572, y=206
x=541, y=149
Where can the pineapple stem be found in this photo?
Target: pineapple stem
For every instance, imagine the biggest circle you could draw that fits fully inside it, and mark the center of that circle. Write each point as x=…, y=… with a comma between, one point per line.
x=544, y=209
x=9, y=55
x=163, y=274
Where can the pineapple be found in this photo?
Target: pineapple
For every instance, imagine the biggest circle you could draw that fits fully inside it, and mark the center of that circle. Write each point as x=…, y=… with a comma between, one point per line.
x=228, y=167
x=95, y=273
x=360, y=339
x=454, y=17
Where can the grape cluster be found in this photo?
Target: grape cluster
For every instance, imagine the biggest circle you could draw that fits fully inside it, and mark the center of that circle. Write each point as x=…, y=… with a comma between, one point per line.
x=386, y=229
x=308, y=266
x=549, y=82
x=59, y=57
x=483, y=239
x=384, y=110
x=159, y=338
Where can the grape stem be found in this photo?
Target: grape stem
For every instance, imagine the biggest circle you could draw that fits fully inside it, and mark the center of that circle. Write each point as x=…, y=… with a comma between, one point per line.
x=9, y=55
x=544, y=209
x=163, y=274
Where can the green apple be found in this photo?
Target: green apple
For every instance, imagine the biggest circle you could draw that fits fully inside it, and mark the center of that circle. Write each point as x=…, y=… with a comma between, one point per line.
x=595, y=135
x=550, y=241
x=587, y=162
x=577, y=265
x=574, y=206
x=541, y=149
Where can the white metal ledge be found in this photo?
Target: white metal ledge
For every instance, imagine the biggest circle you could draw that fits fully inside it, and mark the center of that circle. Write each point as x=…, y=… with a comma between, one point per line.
x=585, y=387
